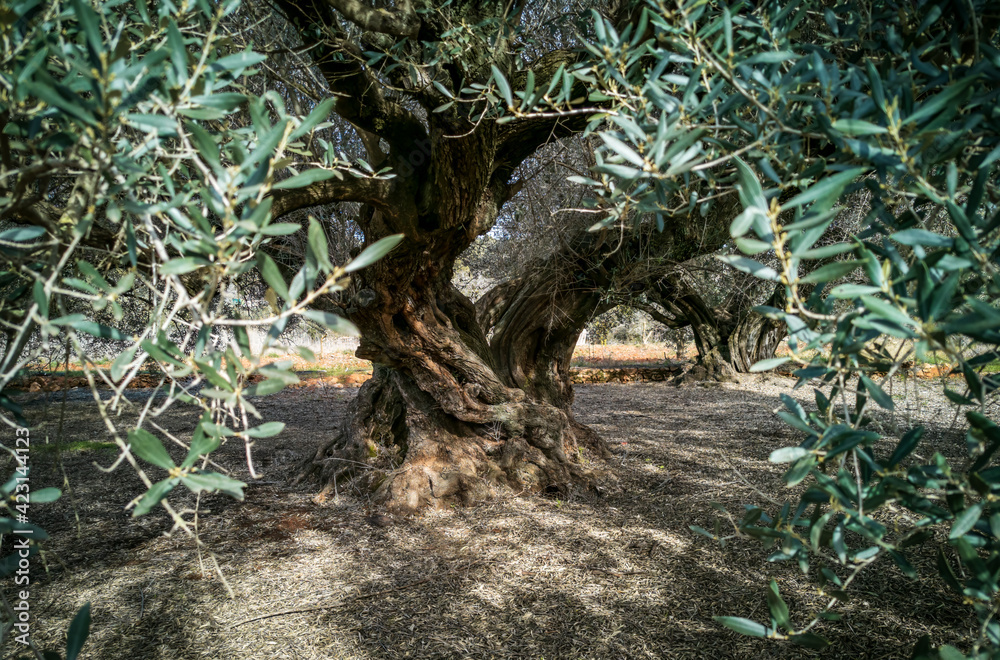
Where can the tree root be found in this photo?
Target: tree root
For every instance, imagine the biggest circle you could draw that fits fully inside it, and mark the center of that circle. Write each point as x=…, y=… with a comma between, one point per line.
x=397, y=444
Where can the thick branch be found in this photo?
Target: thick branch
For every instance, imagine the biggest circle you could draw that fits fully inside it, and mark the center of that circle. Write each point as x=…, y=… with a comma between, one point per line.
x=491, y=304
x=359, y=93
x=376, y=192
x=398, y=23
x=660, y=317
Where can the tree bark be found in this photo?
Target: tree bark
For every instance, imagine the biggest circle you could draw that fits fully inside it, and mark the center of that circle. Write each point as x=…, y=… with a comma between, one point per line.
x=447, y=417
x=707, y=325
x=728, y=341
x=436, y=425
x=756, y=337
x=537, y=318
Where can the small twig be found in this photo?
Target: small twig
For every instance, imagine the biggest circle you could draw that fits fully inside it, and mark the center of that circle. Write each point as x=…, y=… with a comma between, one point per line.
x=320, y=608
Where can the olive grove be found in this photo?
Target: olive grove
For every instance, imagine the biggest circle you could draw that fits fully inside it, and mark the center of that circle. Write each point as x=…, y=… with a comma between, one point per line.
x=346, y=156
x=798, y=107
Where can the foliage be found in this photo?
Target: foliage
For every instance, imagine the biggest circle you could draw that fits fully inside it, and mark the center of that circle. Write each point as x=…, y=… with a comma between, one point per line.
x=796, y=106
x=136, y=167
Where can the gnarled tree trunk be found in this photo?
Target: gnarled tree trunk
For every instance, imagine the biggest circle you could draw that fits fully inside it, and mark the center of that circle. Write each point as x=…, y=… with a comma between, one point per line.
x=728, y=341
x=709, y=327
x=755, y=337
x=439, y=423
x=537, y=318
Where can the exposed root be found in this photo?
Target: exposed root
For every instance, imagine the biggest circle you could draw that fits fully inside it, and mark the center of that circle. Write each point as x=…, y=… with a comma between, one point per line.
x=398, y=444
x=710, y=367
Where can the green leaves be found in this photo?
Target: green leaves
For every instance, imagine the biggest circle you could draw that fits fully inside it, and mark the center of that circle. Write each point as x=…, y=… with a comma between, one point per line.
x=965, y=521
x=211, y=482
x=755, y=268
x=333, y=322
x=373, y=252
x=858, y=127
x=238, y=62
x=149, y=205
x=768, y=364
x=318, y=114
x=877, y=393
x=148, y=447
x=21, y=234
x=906, y=445
x=623, y=150
x=779, y=610
x=829, y=272
x=503, y=86
x=100, y=330
x=306, y=178
x=743, y=626
x=886, y=132
x=79, y=630
x=202, y=442
x=45, y=495
x=881, y=309
x=751, y=194
x=788, y=454
x=154, y=496
x=809, y=641
x=272, y=276
x=825, y=191
x=266, y=430
x=183, y=265
x=921, y=237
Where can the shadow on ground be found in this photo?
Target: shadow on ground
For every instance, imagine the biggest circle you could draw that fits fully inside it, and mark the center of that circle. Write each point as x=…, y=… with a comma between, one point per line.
x=618, y=575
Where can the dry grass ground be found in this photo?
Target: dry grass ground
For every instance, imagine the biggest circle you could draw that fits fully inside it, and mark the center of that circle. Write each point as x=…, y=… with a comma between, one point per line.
x=617, y=575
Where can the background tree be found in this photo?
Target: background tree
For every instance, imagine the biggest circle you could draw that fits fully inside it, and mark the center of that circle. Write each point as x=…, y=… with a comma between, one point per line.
x=816, y=102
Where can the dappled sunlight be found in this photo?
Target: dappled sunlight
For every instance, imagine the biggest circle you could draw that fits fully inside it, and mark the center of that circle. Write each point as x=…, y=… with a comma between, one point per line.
x=573, y=575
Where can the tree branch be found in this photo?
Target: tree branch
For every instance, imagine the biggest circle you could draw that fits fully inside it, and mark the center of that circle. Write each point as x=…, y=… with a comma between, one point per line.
x=400, y=23
x=359, y=93
x=659, y=316
x=376, y=192
x=491, y=304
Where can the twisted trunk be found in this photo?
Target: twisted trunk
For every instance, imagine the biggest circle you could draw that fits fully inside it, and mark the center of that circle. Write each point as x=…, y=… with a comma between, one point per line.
x=756, y=337
x=436, y=424
x=709, y=328
x=728, y=341
x=537, y=319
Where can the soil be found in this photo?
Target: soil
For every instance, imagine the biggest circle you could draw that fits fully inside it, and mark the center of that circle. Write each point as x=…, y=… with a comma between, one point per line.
x=609, y=574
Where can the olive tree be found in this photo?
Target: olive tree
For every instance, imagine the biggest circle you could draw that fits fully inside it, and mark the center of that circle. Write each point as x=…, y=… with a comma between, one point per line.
x=794, y=107
x=127, y=171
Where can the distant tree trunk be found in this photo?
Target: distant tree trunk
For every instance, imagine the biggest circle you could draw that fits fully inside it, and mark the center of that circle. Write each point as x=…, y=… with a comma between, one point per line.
x=756, y=337
x=709, y=327
x=728, y=341
x=537, y=319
